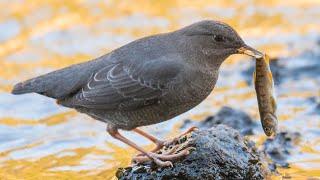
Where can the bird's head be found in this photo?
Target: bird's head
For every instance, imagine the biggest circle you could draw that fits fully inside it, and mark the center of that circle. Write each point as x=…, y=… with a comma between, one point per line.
x=218, y=39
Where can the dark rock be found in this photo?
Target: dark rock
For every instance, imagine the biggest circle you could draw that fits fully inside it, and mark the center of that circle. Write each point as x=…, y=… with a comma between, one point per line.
x=236, y=119
x=220, y=153
x=281, y=147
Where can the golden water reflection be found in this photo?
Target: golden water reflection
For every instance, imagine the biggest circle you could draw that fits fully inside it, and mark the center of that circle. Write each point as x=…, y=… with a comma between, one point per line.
x=37, y=36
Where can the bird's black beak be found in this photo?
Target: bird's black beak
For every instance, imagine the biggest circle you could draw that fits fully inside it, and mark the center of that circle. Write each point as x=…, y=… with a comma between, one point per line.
x=250, y=51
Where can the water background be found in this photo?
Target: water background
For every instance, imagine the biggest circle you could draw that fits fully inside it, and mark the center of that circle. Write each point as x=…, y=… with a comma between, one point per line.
x=40, y=139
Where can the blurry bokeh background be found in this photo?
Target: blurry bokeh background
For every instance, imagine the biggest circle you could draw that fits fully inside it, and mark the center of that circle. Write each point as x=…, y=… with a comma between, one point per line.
x=40, y=139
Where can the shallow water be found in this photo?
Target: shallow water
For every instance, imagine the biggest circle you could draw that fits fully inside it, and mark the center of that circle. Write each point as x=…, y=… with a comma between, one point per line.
x=40, y=139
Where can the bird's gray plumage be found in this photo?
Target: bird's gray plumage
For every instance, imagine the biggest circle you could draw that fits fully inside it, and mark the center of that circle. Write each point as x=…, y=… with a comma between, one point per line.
x=146, y=81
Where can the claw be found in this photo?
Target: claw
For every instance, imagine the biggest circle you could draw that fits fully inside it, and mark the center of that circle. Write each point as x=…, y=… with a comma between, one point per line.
x=167, y=164
x=193, y=128
x=162, y=163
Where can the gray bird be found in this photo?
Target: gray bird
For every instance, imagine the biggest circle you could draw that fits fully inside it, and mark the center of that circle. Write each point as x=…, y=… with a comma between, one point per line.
x=147, y=81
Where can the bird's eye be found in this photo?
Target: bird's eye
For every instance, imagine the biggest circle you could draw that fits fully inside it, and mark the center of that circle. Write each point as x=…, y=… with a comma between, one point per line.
x=218, y=38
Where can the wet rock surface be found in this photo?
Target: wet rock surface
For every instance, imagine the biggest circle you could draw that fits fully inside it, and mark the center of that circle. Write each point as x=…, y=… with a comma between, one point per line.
x=220, y=153
x=228, y=116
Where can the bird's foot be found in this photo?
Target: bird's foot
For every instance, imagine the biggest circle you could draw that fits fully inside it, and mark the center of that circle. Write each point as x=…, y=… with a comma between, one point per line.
x=163, y=160
x=160, y=144
x=176, y=139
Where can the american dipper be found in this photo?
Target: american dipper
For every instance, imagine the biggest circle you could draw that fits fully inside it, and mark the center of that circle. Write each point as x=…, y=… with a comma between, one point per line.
x=147, y=81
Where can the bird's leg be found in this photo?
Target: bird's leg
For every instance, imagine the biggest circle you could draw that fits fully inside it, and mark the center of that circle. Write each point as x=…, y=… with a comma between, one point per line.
x=115, y=134
x=141, y=158
x=153, y=139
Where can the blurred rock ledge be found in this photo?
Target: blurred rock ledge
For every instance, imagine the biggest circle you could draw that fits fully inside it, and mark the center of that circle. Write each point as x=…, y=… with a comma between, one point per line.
x=279, y=149
x=228, y=116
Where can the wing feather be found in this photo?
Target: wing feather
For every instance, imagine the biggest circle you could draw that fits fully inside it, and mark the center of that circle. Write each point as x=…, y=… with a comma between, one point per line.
x=119, y=87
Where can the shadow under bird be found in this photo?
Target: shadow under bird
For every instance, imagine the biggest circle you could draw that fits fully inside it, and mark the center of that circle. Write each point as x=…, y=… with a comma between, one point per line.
x=147, y=81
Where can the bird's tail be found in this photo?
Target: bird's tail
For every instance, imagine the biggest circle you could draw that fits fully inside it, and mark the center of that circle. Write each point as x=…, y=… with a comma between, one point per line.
x=31, y=85
x=58, y=84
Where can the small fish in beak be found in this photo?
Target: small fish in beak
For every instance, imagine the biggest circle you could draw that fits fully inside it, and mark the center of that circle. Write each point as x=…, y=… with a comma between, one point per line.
x=264, y=86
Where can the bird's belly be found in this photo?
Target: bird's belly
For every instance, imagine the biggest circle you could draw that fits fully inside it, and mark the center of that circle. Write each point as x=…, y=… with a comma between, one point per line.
x=167, y=108
x=147, y=115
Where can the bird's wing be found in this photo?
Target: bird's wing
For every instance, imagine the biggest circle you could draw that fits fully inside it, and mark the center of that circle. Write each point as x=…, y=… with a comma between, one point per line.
x=130, y=86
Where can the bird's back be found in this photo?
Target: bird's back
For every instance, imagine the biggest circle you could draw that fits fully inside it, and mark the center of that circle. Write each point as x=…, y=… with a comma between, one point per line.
x=64, y=82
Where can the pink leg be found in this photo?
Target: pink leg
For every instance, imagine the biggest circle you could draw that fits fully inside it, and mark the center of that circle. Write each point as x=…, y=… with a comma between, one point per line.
x=114, y=133
x=153, y=139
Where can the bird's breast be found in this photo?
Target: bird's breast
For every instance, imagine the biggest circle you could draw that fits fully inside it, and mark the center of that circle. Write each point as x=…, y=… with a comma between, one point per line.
x=194, y=89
